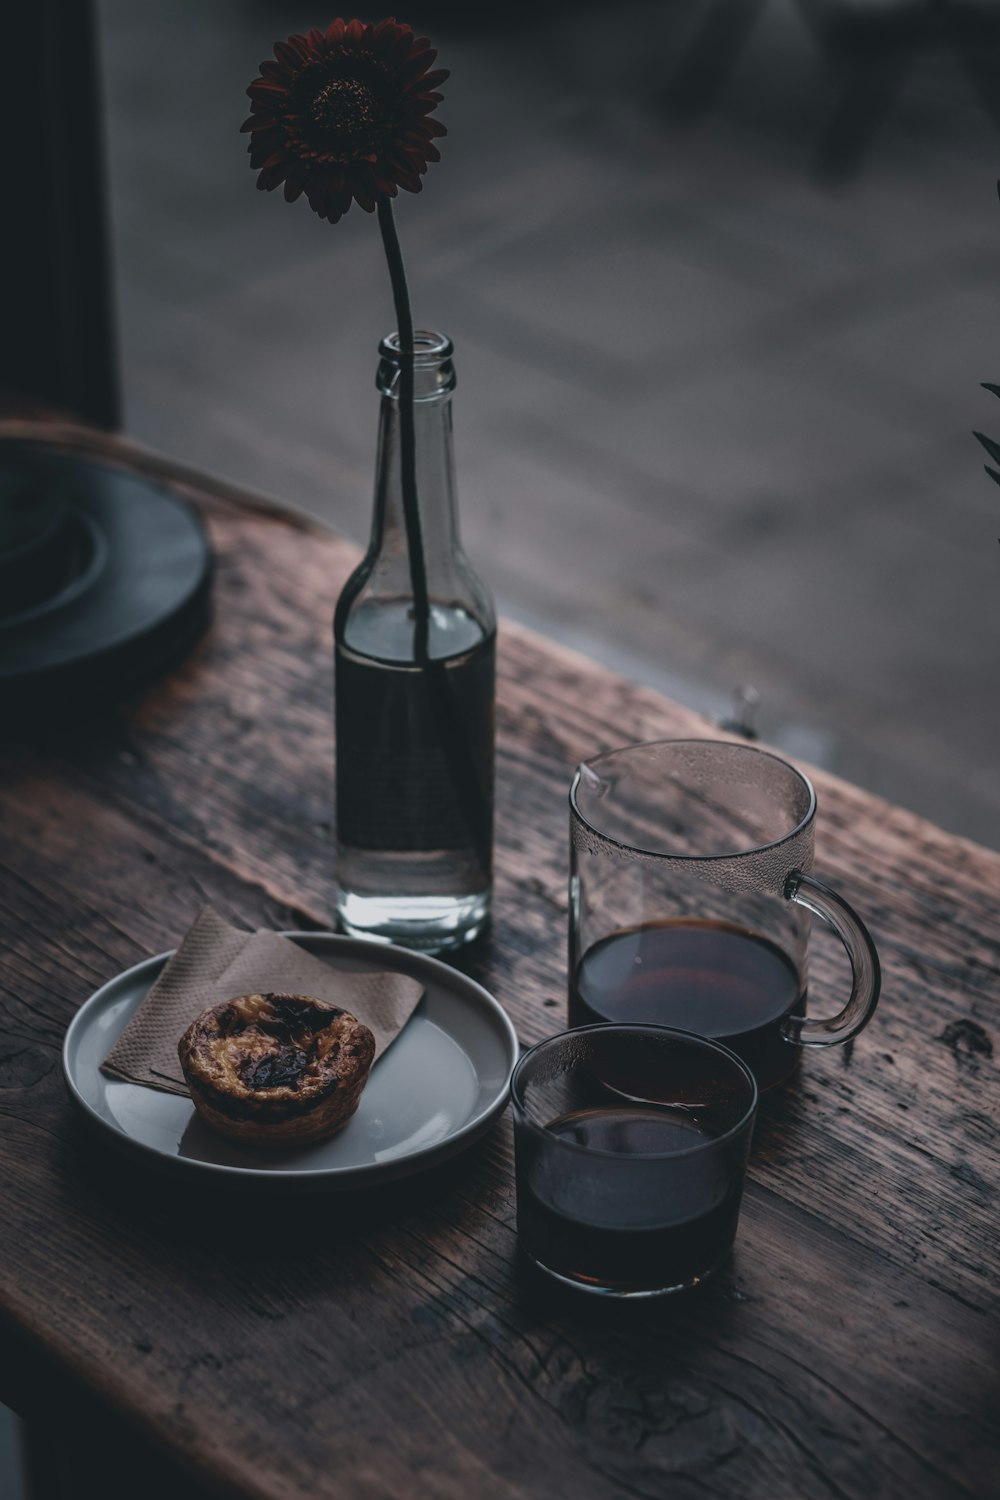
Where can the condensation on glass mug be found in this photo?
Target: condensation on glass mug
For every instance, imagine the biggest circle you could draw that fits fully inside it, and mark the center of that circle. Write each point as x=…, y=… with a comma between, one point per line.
x=691, y=893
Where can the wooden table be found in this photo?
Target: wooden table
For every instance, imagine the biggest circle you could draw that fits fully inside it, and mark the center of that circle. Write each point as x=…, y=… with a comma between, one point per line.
x=394, y=1346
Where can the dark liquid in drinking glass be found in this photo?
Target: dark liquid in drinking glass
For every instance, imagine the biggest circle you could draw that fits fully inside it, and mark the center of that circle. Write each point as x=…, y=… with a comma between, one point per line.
x=647, y=1241
x=719, y=981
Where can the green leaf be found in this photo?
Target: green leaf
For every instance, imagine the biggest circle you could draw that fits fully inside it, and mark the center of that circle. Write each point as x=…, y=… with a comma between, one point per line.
x=992, y=473
x=992, y=448
x=987, y=387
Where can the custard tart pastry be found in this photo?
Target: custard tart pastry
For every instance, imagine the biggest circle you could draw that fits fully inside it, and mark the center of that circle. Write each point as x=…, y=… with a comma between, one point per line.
x=276, y=1069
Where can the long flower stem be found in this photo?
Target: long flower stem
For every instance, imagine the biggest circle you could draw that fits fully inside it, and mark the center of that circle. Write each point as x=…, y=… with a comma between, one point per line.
x=453, y=730
x=407, y=430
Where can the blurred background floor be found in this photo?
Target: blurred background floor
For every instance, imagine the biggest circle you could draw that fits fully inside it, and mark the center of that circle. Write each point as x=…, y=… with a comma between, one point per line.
x=722, y=279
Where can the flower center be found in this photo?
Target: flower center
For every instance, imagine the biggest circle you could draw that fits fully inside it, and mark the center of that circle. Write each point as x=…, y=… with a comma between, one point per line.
x=344, y=111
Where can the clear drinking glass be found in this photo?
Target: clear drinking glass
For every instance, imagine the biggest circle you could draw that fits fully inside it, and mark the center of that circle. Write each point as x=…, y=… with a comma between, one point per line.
x=691, y=894
x=631, y=1146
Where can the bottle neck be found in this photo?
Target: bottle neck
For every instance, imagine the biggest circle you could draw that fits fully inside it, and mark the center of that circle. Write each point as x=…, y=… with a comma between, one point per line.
x=435, y=480
x=383, y=589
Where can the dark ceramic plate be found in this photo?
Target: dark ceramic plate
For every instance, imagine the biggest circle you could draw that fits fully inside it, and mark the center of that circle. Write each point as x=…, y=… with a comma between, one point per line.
x=436, y=1090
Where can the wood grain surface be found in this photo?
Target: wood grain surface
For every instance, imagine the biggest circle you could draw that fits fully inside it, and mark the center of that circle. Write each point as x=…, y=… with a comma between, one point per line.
x=395, y=1345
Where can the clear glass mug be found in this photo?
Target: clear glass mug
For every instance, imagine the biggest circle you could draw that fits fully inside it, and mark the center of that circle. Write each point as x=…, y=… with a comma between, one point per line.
x=630, y=1150
x=691, y=895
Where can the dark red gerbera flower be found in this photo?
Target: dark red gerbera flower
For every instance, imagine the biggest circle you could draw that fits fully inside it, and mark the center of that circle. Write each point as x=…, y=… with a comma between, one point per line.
x=344, y=114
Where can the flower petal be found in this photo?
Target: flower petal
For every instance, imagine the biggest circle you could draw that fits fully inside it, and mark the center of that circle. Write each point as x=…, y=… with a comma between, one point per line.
x=364, y=143
x=266, y=89
x=337, y=204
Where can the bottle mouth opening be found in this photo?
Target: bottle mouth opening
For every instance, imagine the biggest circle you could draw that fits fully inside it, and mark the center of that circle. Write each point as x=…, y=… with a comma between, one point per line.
x=429, y=348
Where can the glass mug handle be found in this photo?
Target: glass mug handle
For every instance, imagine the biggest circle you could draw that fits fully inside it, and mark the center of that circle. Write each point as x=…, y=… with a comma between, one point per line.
x=808, y=1031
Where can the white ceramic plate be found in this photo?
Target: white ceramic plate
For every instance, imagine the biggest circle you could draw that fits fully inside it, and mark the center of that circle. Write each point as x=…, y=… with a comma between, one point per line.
x=435, y=1091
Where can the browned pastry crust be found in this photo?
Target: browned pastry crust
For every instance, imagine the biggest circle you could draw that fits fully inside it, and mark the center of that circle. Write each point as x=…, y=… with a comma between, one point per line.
x=273, y=1069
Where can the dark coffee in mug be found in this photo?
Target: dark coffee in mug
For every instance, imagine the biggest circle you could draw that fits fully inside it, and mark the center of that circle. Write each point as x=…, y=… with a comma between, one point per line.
x=691, y=899
x=679, y=1249
x=630, y=1149
x=717, y=980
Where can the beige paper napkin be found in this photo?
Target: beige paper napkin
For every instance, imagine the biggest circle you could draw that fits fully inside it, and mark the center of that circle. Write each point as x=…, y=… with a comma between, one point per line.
x=217, y=962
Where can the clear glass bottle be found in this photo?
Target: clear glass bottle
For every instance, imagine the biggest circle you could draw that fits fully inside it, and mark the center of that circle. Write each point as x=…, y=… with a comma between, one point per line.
x=415, y=697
